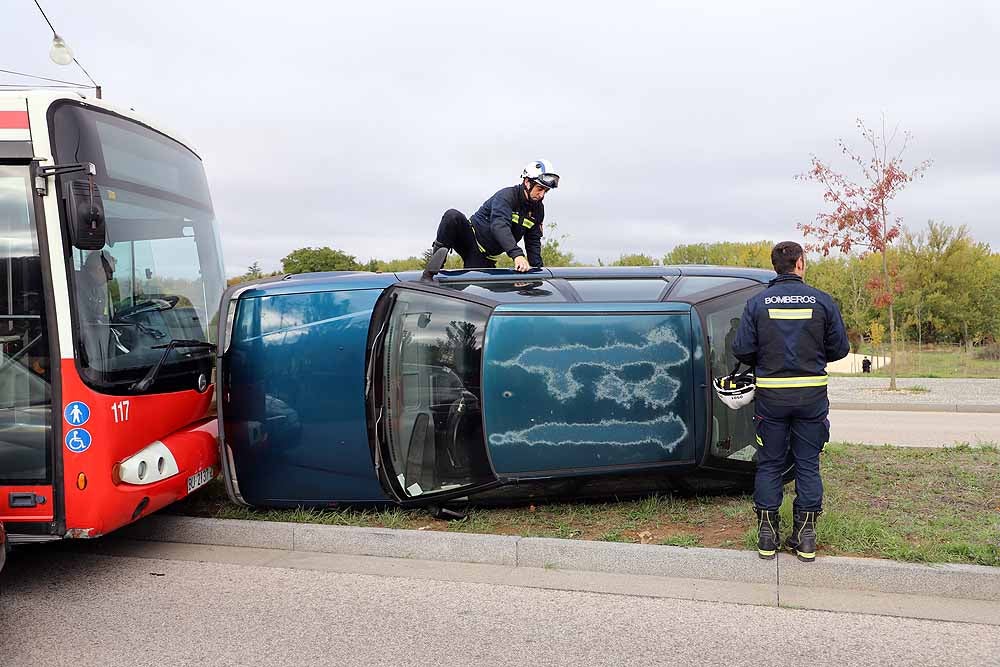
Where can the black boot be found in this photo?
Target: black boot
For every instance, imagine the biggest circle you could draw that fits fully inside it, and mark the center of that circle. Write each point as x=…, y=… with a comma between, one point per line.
x=768, y=537
x=803, y=538
x=427, y=254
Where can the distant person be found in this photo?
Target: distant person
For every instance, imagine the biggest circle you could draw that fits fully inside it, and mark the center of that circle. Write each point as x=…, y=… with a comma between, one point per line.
x=501, y=222
x=866, y=365
x=789, y=332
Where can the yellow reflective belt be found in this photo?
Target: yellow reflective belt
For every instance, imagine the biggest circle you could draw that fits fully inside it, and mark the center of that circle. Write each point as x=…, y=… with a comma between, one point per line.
x=790, y=383
x=790, y=313
x=481, y=248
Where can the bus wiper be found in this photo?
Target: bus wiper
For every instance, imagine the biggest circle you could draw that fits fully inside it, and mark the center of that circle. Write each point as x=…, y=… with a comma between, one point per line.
x=146, y=382
x=148, y=306
x=144, y=328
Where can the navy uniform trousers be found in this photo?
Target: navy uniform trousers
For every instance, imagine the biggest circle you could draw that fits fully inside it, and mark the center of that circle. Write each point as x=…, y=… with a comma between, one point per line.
x=455, y=232
x=789, y=434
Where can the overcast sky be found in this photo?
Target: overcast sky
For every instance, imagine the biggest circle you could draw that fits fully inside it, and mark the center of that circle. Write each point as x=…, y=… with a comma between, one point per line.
x=356, y=124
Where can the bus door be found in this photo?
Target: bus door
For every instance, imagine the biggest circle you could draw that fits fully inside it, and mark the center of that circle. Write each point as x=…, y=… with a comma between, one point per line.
x=27, y=463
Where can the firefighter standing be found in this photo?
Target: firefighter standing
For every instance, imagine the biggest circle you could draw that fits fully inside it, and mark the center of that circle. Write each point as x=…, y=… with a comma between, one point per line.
x=501, y=222
x=789, y=332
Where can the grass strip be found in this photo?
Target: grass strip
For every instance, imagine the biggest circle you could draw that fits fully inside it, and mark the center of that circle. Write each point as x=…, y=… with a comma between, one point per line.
x=919, y=505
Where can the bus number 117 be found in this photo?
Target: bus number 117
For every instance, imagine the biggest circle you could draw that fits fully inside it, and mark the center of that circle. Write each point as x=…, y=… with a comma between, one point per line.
x=120, y=411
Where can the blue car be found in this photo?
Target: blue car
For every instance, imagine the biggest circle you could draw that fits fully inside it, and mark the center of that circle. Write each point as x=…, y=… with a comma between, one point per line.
x=484, y=385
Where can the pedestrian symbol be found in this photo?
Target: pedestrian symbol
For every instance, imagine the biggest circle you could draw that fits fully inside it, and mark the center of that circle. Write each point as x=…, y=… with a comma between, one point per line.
x=77, y=413
x=78, y=440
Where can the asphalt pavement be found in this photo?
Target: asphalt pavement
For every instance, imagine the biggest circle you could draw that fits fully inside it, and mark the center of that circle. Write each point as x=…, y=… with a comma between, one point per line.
x=159, y=604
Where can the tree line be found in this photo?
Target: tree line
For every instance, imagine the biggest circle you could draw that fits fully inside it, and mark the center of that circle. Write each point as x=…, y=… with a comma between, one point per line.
x=947, y=284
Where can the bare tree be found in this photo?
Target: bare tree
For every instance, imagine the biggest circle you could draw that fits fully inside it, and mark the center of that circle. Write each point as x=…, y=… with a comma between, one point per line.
x=860, y=216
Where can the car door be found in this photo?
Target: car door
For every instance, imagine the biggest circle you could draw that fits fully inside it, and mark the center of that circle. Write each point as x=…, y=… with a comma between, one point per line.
x=590, y=388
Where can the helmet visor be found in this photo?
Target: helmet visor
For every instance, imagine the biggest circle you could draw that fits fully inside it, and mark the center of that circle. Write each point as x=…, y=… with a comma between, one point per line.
x=549, y=181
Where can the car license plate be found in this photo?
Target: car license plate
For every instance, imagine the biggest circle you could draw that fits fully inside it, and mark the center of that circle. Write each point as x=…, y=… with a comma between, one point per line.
x=200, y=478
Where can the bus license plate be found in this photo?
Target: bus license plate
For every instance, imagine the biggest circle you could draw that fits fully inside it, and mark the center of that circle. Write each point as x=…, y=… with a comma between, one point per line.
x=199, y=479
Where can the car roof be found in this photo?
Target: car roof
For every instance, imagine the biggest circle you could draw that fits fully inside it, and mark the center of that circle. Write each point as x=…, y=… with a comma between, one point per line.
x=597, y=272
x=356, y=280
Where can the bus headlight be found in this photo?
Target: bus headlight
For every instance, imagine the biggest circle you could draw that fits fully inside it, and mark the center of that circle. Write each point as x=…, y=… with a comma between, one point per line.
x=153, y=464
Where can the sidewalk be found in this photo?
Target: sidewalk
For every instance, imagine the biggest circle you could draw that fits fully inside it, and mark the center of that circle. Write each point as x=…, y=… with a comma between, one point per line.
x=852, y=363
x=965, y=593
x=915, y=394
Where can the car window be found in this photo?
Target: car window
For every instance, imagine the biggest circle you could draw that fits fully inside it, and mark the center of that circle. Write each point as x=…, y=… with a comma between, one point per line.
x=622, y=289
x=691, y=286
x=733, y=434
x=510, y=292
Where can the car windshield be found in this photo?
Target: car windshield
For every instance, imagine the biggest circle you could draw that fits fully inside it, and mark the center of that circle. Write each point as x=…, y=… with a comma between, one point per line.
x=159, y=275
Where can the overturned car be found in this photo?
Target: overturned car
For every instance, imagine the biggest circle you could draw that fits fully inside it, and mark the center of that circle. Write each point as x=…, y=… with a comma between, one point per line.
x=481, y=384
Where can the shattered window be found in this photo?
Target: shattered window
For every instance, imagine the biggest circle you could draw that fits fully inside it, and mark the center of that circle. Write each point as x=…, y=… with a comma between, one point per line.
x=518, y=291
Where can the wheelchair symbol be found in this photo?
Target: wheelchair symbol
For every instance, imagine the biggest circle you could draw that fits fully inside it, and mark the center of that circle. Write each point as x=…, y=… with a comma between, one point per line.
x=78, y=440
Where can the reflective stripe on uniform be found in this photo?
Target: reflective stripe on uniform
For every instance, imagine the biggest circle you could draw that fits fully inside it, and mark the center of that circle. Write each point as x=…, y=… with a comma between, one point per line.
x=527, y=223
x=789, y=383
x=790, y=313
x=481, y=248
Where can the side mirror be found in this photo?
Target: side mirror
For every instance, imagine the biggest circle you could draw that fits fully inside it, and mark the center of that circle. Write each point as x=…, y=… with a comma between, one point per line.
x=85, y=210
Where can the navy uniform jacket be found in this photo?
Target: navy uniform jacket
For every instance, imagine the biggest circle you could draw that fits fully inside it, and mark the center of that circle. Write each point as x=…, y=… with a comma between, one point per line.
x=788, y=333
x=506, y=218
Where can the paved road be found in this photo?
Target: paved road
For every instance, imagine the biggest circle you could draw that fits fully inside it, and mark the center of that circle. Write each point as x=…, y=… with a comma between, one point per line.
x=77, y=606
x=914, y=429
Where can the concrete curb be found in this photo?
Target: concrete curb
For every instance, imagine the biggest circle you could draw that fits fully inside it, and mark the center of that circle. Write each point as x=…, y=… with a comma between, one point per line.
x=917, y=407
x=969, y=582
x=972, y=582
x=645, y=559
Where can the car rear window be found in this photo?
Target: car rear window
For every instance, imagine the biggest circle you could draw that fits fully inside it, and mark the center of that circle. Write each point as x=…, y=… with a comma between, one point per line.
x=691, y=287
x=621, y=289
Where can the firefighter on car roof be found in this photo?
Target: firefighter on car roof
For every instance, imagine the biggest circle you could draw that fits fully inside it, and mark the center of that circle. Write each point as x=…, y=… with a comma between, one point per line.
x=501, y=222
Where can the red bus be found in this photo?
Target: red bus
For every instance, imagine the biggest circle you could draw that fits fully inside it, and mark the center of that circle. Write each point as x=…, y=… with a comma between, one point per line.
x=110, y=281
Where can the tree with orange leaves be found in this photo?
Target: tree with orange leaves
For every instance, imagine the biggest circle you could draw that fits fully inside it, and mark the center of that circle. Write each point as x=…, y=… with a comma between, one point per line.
x=860, y=217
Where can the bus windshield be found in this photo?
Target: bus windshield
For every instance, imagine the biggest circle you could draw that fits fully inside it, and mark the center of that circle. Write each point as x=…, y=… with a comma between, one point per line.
x=159, y=276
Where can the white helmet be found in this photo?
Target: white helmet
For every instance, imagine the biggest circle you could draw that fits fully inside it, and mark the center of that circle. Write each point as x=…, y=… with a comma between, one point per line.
x=736, y=390
x=541, y=172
